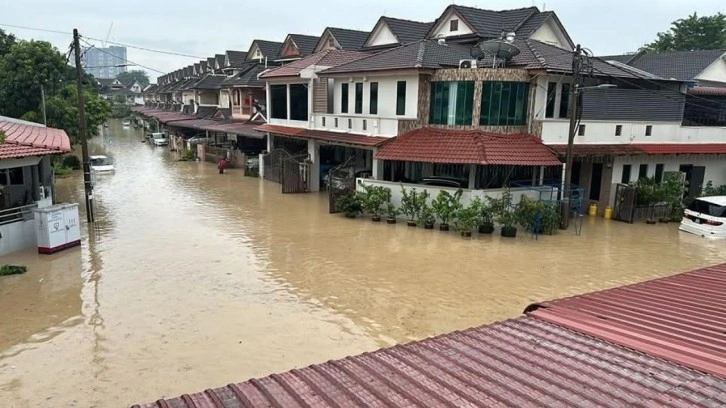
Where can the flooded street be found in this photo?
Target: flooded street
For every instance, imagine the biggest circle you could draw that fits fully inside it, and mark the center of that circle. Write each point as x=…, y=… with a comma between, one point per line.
x=190, y=279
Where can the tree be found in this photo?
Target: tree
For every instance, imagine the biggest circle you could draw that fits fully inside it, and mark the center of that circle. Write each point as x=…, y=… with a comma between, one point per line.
x=6, y=41
x=139, y=75
x=692, y=33
x=23, y=70
x=62, y=111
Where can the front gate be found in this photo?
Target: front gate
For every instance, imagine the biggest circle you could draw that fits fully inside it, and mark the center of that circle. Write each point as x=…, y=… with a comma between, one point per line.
x=625, y=202
x=294, y=173
x=340, y=182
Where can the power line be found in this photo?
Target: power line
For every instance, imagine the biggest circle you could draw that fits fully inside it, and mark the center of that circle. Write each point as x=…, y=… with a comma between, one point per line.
x=119, y=58
x=179, y=54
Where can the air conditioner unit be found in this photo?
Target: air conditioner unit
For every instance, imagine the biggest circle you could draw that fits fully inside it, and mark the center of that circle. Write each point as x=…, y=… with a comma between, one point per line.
x=467, y=63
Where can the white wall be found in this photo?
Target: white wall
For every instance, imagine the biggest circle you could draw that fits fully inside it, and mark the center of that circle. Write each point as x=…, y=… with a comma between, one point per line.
x=17, y=236
x=224, y=100
x=188, y=96
x=550, y=33
x=445, y=24
x=715, y=72
x=387, y=88
x=374, y=125
x=554, y=131
x=382, y=35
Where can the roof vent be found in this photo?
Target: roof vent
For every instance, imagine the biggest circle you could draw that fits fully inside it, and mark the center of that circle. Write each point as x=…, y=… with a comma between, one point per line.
x=441, y=38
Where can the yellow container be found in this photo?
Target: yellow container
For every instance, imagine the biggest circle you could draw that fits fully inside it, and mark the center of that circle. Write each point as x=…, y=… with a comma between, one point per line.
x=608, y=214
x=592, y=210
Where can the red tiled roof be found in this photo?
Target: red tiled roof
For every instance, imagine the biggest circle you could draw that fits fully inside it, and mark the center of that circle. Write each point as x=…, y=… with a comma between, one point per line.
x=333, y=137
x=436, y=145
x=24, y=139
x=680, y=318
x=520, y=363
x=632, y=149
x=328, y=58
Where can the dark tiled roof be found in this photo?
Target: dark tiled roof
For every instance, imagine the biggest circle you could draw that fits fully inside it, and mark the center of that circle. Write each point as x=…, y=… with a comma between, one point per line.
x=151, y=88
x=420, y=54
x=439, y=145
x=197, y=68
x=235, y=58
x=105, y=82
x=349, y=40
x=305, y=44
x=521, y=362
x=624, y=58
x=247, y=77
x=269, y=49
x=210, y=63
x=209, y=82
x=682, y=65
x=491, y=23
x=407, y=31
x=203, y=65
x=219, y=60
x=328, y=58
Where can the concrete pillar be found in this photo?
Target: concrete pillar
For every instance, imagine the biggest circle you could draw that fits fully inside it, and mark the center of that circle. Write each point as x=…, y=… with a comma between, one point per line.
x=262, y=166
x=268, y=99
x=269, y=142
x=377, y=169
x=36, y=181
x=472, y=176
x=287, y=90
x=314, y=154
x=541, y=174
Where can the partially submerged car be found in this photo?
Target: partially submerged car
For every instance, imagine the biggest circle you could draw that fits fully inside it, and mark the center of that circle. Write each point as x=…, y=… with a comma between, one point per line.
x=706, y=216
x=159, y=139
x=101, y=164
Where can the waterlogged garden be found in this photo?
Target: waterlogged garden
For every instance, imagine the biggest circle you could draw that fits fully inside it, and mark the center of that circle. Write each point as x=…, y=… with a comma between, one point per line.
x=447, y=208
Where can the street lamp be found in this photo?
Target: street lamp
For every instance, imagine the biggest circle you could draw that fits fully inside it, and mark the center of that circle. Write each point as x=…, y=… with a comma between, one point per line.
x=574, y=113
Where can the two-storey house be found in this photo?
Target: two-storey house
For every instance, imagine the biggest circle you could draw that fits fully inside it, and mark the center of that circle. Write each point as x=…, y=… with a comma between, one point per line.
x=334, y=38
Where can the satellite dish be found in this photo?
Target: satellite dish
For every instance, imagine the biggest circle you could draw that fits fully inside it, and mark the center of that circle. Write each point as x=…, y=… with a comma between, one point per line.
x=499, y=48
x=476, y=52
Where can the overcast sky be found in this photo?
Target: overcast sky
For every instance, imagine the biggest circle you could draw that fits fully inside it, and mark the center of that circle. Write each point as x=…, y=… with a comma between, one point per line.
x=203, y=28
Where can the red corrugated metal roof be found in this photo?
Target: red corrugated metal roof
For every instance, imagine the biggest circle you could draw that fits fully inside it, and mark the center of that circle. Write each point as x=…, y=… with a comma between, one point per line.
x=333, y=137
x=437, y=145
x=634, y=149
x=707, y=91
x=520, y=362
x=680, y=318
x=34, y=135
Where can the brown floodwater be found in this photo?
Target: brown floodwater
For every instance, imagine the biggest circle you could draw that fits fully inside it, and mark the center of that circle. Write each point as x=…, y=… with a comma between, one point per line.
x=190, y=279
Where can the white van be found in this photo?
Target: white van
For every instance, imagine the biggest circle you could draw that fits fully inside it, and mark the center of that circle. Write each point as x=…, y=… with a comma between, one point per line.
x=706, y=216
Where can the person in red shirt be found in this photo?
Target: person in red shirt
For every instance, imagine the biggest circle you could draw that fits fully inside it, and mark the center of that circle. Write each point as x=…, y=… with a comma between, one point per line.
x=222, y=165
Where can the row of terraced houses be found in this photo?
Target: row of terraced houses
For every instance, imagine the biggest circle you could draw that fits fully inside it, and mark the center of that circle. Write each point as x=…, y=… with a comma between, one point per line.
x=477, y=97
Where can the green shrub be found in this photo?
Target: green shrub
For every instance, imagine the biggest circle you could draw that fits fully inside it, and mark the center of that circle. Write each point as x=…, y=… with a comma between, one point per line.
x=427, y=216
x=12, y=270
x=446, y=204
x=373, y=198
x=548, y=213
x=412, y=202
x=710, y=190
x=502, y=209
x=466, y=218
x=71, y=161
x=351, y=205
x=188, y=154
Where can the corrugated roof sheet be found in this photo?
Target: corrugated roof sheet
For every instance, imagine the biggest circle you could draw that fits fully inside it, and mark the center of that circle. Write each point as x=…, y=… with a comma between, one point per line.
x=631, y=149
x=680, y=318
x=29, y=134
x=517, y=363
x=333, y=137
x=707, y=91
x=440, y=145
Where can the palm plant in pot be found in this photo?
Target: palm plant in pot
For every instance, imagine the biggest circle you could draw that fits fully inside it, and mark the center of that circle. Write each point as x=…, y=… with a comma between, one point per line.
x=427, y=217
x=445, y=206
x=504, y=214
x=412, y=202
x=350, y=205
x=465, y=219
x=374, y=197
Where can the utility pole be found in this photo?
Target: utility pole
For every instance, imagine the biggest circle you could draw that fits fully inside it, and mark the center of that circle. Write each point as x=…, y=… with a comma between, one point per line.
x=88, y=187
x=42, y=98
x=573, y=108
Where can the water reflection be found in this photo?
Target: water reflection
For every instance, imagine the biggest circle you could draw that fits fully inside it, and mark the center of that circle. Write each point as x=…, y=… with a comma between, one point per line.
x=190, y=279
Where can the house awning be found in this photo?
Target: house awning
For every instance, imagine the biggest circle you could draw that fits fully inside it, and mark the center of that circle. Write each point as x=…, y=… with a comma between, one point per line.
x=634, y=149
x=450, y=146
x=322, y=135
x=221, y=126
x=25, y=139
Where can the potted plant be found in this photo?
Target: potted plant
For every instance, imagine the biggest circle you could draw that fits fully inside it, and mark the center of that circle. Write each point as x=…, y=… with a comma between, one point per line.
x=673, y=195
x=350, y=205
x=374, y=197
x=539, y=217
x=412, y=202
x=465, y=219
x=427, y=217
x=484, y=215
x=445, y=205
x=503, y=212
x=391, y=213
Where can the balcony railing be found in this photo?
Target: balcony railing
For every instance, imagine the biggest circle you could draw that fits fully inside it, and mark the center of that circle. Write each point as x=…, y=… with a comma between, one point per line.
x=366, y=125
x=15, y=214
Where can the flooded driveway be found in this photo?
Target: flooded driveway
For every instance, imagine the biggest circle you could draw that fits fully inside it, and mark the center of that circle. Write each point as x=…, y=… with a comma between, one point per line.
x=190, y=279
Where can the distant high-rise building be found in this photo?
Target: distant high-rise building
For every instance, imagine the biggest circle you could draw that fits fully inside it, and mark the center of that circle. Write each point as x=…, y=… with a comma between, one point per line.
x=104, y=62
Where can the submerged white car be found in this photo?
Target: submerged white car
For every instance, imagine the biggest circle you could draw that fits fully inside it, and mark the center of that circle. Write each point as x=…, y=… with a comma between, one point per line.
x=706, y=216
x=159, y=139
x=101, y=164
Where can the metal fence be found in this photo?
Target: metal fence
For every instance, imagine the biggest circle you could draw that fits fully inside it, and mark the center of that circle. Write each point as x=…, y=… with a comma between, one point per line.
x=23, y=213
